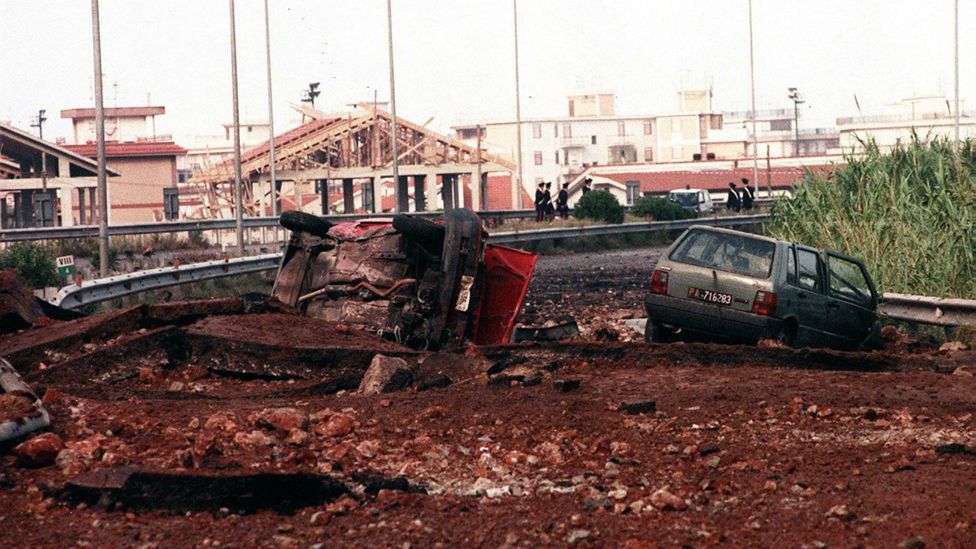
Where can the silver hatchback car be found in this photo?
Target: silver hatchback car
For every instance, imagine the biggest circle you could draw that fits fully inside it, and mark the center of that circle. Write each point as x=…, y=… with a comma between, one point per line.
x=743, y=287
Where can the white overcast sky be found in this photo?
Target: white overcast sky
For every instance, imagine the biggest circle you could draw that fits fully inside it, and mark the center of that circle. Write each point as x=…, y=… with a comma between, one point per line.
x=454, y=58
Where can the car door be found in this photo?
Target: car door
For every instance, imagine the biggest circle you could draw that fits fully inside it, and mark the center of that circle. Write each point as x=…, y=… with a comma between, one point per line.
x=851, y=299
x=807, y=296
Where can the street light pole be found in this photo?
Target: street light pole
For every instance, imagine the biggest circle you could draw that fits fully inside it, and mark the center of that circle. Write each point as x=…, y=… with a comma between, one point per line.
x=752, y=86
x=271, y=139
x=100, y=146
x=517, y=186
x=238, y=194
x=393, y=138
x=957, y=70
x=797, y=99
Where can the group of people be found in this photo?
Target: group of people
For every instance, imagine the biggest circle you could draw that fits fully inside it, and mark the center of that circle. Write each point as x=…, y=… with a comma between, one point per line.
x=544, y=208
x=740, y=200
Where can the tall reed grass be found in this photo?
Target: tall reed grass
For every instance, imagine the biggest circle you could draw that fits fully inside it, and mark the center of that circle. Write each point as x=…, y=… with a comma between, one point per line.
x=908, y=213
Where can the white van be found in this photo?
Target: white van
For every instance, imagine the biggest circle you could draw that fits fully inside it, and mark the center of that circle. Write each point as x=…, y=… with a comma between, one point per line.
x=696, y=200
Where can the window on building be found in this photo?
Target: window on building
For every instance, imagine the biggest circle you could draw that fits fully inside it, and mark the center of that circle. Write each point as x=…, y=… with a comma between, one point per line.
x=780, y=125
x=567, y=130
x=621, y=128
x=557, y=157
x=648, y=127
x=677, y=153
x=676, y=126
x=536, y=131
x=633, y=191
x=171, y=203
x=537, y=157
x=648, y=154
x=592, y=140
x=555, y=130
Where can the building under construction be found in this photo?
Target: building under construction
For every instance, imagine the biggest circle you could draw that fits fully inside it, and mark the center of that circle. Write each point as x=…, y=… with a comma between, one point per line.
x=343, y=163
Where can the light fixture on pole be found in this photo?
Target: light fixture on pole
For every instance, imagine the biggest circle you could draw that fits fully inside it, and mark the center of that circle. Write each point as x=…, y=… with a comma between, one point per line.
x=797, y=99
x=309, y=95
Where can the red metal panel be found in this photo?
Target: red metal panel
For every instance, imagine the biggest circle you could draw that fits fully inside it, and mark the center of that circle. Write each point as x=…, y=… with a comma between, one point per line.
x=506, y=276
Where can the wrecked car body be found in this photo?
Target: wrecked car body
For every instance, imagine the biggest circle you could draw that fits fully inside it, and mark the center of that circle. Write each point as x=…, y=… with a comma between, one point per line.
x=411, y=280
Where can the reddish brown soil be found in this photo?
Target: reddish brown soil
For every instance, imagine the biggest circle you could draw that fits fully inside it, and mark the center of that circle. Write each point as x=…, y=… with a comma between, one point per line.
x=16, y=407
x=758, y=446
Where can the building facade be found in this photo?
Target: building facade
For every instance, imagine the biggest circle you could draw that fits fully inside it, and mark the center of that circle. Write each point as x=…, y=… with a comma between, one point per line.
x=145, y=190
x=928, y=116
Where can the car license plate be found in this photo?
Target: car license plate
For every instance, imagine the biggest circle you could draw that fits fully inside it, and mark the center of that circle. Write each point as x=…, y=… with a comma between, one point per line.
x=709, y=296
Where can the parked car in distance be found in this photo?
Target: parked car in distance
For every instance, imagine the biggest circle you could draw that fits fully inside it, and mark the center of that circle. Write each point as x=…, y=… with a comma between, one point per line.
x=696, y=200
x=739, y=286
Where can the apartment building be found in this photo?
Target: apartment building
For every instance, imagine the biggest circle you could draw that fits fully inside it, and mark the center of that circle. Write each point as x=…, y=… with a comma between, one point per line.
x=557, y=149
x=777, y=136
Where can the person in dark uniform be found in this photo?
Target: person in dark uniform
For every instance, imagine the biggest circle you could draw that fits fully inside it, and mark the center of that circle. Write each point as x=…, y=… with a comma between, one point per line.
x=538, y=202
x=748, y=196
x=547, y=209
x=733, y=202
x=562, y=202
x=586, y=184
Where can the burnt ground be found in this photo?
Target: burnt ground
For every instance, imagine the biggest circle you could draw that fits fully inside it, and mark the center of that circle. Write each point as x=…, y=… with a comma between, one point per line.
x=743, y=446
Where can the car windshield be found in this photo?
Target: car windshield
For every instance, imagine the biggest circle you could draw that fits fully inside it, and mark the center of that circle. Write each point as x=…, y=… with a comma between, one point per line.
x=685, y=199
x=726, y=252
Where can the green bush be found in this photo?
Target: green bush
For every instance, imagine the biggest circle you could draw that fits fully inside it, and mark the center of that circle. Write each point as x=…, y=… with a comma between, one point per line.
x=659, y=209
x=909, y=214
x=34, y=261
x=599, y=205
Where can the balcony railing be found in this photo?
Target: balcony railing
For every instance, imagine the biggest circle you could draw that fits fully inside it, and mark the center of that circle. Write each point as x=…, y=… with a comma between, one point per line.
x=887, y=118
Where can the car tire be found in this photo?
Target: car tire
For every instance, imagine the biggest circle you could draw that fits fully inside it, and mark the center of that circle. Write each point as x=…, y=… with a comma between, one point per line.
x=428, y=234
x=655, y=332
x=787, y=334
x=305, y=222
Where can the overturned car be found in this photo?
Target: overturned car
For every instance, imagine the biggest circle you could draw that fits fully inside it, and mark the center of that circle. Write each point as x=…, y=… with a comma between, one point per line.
x=418, y=282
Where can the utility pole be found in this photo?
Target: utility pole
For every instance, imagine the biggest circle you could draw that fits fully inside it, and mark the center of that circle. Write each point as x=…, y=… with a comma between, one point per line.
x=517, y=186
x=271, y=139
x=238, y=194
x=957, y=72
x=752, y=85
x=100, y=146
x=797, y=99
x=41, y=119
x=483, y=195
x=393, y=138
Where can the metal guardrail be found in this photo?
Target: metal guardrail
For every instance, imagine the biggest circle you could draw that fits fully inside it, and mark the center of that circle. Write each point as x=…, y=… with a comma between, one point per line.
x=103, y=289
x=939, y=311
x=91, y=231
x=518, y=237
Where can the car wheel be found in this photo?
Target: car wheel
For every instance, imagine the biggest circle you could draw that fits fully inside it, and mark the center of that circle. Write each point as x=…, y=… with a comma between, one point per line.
x=305, y=222
x=655, y=332
x=428, y=234
x=787, y=334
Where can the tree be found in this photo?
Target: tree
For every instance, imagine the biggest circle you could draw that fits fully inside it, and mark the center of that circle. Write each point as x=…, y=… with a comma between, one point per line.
x=600, y=206
x=35, y=262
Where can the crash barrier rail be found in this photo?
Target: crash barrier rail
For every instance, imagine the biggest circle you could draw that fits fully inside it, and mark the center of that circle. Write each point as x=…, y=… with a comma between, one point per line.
x=103, y=289
x=162, y=227
x=91, y=231
x=939, y=311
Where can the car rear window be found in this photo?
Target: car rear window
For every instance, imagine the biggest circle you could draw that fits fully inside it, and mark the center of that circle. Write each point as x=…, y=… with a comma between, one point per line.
x=726, y=252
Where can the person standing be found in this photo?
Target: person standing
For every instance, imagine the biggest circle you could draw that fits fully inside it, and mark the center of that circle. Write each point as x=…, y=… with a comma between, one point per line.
x=547, y=202
x=538, y=202
x=562, y=202
x=733, y=202
x=748, y=196
x=586, y=184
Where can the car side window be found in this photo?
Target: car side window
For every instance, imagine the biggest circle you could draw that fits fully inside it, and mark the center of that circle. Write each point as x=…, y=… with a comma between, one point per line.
x=808, y=273
x=847, y=280
x=791, y=266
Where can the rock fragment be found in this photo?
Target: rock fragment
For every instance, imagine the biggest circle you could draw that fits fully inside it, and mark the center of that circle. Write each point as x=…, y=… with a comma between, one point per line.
x=386, y=374
x=39, y=451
